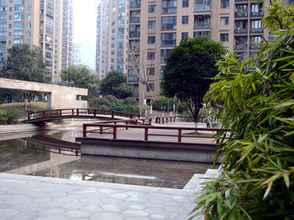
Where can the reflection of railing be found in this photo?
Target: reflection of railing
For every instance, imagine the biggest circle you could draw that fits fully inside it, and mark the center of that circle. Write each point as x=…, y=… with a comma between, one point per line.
x=179, y=131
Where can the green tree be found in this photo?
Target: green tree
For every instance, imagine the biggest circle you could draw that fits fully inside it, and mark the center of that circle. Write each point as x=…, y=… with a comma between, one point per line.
x=82, y=77
x=257, y=98
x=24, y=63
x=115, y=84
x=189, y=70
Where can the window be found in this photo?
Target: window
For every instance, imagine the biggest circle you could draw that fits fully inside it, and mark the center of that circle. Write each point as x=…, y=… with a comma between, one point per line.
x=201, y=21
x=255, y=42
x=203, y=34
x=185, y=35
x=224, y=37
x=151, y=39
x=256, y=26
x=225, y=3
x=151, y=8
x=151, y=25
x=150, y=87
x=150, y=71
x=168, y=39
x=185, y=3
x=224, y=21
x=164, y=53
x=150, y=55
x=256, y=9
x=241, y=11
x=202, y=5
x=169, y=6
x=185, y=19
x=168, y=23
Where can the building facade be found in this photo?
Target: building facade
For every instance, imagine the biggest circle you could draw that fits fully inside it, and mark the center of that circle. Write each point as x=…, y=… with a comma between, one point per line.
x=157, y=26
x=67, y=34
x=36, y=23
x=19, y=24
x=111, y=46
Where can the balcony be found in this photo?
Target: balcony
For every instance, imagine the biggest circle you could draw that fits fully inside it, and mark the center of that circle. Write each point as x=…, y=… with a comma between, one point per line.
x=134, y=35
x=256, y=30
x=240, y=46
x=134, y=20
x=135, y=4
x=241, y=30
x=201, y=8
x=241, y=14
x=168, y=43
x=255, y=46
x=169, y=10
x=257, y=14
x=168, y=27
x=201, y=26
x=241, y=1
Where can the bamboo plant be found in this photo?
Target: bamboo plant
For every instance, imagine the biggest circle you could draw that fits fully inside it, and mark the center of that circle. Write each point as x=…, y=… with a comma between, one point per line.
x=256, y=96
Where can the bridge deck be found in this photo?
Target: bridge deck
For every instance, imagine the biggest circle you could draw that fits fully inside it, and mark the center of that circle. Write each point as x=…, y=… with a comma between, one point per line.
x=57, y=114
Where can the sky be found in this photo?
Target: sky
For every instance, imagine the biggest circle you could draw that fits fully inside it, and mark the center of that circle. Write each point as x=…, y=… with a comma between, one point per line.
x=84, y=30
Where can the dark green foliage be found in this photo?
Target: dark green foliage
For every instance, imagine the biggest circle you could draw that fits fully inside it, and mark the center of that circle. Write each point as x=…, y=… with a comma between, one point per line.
x=189, y=70
x=163, y=104
x=111, y=103
x=81, y=76
x=115, y=84
x=25, y=64
x=12, y=113
x=257, y=96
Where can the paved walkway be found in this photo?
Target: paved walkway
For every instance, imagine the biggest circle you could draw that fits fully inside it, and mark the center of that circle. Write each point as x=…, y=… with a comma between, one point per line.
x=37, y=198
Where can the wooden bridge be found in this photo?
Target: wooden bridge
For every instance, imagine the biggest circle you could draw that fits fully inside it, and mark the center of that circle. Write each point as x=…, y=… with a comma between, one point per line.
x=42, y=117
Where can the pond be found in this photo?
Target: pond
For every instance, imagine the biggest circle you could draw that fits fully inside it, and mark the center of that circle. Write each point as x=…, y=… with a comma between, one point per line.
x=20, y=156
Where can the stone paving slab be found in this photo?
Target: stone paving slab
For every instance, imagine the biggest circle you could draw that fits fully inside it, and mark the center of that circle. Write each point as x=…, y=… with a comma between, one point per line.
x=40, y=198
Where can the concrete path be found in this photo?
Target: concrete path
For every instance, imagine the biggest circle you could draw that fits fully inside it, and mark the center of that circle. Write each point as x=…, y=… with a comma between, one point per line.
x=39, y=198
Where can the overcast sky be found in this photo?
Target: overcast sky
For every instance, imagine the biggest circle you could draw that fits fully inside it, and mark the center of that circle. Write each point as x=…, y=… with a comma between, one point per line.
x=85, y=29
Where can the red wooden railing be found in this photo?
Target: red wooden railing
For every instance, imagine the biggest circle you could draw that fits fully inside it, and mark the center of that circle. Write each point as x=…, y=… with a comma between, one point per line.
x=77, y=112
x=180, y=134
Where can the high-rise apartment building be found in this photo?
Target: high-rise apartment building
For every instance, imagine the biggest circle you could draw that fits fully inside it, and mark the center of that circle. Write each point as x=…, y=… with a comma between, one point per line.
x=36, y=23
x=51, y=20
x=111, y=44
x=157, y=26
x=19, y=24
x=67, y=34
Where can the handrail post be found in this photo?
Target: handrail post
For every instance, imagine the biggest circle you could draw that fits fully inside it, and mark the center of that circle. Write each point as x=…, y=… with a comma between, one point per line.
x=146, y=134
x=84, y=130
x=114, y=132
x=95, y=113
x=72, y=112
x=112, y=114
x=179, y=135
x=101, y=129
x=127, y=125
x=78, y=112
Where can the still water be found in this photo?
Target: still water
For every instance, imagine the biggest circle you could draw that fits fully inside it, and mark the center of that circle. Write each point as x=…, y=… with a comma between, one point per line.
x=20, y=156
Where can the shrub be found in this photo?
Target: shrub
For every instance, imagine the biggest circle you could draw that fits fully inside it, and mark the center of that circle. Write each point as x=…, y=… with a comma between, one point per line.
x=108, y=103
x=163, y=104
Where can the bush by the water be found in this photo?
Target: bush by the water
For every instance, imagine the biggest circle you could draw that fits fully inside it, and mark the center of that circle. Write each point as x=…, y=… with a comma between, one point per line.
x=109, y=103
x=12, y=113
x=9, y=116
